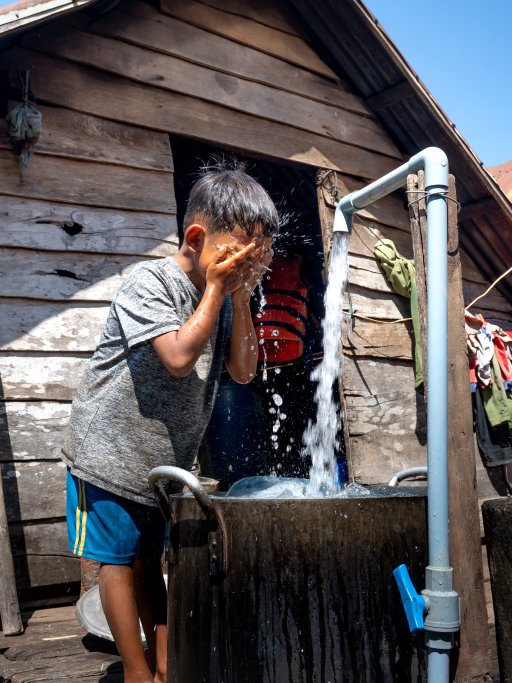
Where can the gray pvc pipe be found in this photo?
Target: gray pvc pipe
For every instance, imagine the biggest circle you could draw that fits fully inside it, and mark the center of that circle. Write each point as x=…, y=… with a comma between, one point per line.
x=407, y=474
x=435, y=164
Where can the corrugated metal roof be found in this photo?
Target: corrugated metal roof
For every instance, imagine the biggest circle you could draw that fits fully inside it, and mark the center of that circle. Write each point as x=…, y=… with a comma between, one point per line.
x=503, y=176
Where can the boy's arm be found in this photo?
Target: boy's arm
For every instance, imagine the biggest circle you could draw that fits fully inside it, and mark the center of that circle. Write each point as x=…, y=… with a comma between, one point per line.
x=179, y=350
x=243, y=351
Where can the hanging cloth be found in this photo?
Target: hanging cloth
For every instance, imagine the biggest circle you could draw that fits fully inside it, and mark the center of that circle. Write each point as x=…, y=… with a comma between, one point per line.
x=401, y=275
x=25, y=124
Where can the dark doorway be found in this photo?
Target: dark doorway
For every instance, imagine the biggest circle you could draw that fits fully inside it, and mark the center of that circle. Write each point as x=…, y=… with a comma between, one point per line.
x=257, y=428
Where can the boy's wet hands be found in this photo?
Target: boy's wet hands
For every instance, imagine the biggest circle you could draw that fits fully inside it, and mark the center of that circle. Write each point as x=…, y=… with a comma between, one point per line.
x=259, y=260
x=230, y=267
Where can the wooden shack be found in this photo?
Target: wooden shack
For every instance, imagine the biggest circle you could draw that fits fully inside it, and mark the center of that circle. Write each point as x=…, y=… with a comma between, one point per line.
x=301, y=87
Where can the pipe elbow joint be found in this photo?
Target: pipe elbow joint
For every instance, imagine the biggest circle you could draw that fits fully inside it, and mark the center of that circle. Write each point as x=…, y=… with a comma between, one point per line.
x=435, y=163
x=343, y=215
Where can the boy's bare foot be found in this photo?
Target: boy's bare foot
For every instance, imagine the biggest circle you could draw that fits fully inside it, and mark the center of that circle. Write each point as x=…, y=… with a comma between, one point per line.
x=159, y=678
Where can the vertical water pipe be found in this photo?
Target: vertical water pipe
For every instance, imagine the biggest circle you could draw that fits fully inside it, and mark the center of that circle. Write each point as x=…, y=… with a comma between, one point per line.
x=441, y=601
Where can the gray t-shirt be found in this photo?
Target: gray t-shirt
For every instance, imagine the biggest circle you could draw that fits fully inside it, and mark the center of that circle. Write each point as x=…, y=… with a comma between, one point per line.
x=129, y=413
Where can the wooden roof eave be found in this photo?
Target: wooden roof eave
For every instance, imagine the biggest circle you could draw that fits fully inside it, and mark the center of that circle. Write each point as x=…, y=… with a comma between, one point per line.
x=16, y=20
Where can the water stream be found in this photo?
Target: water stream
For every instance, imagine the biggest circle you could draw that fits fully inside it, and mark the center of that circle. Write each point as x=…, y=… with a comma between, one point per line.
x=321, y=435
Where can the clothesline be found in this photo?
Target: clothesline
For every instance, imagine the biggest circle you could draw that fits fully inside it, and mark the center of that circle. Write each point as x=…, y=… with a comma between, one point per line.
x=490, y=287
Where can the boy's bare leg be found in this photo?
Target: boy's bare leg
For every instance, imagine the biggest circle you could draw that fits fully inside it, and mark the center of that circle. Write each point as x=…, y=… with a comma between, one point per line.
x=151, y=597
x=117, y=595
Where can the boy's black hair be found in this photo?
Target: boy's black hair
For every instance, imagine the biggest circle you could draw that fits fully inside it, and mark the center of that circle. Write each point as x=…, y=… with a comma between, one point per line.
x=226, y=196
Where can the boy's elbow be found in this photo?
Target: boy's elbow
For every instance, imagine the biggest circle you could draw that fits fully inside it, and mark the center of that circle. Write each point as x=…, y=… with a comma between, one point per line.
x=178, y=372
x=239, y=375
x=178, y=369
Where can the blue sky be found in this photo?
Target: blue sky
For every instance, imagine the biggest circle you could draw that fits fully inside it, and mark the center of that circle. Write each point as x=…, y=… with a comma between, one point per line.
x=461, y=50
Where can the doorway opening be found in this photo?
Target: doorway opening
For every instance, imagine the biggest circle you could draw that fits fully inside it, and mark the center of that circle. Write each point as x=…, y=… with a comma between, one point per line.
x=257, y=429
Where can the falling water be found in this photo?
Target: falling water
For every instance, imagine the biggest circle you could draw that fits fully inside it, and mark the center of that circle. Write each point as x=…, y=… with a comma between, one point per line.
x=320, y=437
x=261, y=341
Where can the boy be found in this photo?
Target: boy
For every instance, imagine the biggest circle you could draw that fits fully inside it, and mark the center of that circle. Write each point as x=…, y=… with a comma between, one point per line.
x=147, y=394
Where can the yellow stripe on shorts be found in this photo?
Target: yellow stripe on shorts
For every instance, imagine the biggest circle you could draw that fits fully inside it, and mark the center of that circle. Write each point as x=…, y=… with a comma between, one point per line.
x=81, y=521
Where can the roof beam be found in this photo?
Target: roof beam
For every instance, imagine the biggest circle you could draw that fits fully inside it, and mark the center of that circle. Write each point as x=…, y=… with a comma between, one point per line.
x=390, y=96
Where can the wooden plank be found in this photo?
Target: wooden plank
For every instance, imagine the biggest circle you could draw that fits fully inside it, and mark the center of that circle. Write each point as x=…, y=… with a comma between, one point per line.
x=379, y=305
x=41, y=555
x=386, y=424
x=87, y=182
x=87, y=668
x=380, y=340
x=54, y=624
x=34, y=490
x=79, y=136
x=470, y=271
x=365, y=236
x=377, y=457
x=32, y=430
x=60, y=276
x=267, y=12
x=493, y=301
x=248, y=32
x=49, y=378
x=44, y=225
x=43, y=326
x=179, y=39
x=177, y=75
x=366, y=274
x=98, y=93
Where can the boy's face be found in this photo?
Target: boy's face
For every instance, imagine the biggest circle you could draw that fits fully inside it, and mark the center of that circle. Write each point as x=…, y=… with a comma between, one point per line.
x=233, y=242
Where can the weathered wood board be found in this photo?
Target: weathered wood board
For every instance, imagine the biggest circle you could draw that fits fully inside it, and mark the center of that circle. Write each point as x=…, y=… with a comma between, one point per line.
x=34, y=490
x=101, y=94
x=174, y=37
x=176, y=75
x=32, y=430
x=267, y=12
x=62, y=276
x=42, y=326
x=41, y=555
x=87, y=182
x=247, y=32
x=50, y=226
x=30, y=377
x=385, y=418
x=70, y=134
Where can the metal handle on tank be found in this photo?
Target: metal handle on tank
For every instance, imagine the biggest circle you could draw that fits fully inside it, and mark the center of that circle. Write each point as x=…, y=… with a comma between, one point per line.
x=217, y=556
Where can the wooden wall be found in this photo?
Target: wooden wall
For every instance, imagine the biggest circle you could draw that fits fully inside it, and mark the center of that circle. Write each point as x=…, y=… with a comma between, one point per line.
x=98, y=197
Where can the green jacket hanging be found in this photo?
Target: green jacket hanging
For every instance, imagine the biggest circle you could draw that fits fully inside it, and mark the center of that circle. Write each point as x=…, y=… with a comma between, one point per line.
x=401, y=275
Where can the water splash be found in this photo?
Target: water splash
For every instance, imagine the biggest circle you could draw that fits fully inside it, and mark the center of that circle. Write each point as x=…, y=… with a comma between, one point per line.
x=261, y=341
x=320, y=437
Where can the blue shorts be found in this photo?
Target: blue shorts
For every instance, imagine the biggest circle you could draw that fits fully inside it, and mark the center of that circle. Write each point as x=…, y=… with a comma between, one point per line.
x=107, y=528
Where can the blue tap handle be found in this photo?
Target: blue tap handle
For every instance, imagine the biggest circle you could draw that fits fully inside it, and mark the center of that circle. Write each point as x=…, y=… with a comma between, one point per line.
x=414, y=603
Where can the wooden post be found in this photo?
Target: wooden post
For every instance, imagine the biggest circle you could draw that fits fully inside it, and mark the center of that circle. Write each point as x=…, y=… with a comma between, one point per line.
x=465, y=541
x=9, y=607
x=471, y=660
x=497, y=516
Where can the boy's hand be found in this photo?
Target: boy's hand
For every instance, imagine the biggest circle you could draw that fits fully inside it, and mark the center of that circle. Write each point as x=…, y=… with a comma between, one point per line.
x=229, y=271
x=259, y=260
